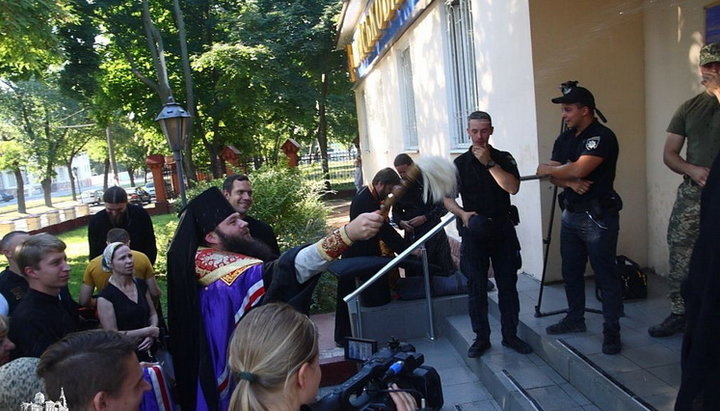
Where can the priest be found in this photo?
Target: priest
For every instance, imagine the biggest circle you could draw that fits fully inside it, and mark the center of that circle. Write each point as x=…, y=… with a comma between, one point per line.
x=216, y=274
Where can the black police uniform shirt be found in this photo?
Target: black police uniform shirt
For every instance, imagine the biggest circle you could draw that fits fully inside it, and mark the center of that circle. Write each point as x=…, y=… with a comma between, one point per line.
x=596, y=140
x=480, y=192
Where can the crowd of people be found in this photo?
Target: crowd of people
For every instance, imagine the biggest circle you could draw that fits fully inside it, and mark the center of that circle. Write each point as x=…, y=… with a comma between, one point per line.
x=237, y=324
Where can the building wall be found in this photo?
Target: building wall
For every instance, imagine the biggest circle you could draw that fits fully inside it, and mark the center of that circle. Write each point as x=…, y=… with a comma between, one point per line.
x=505, y=78
x=639, y=58
x=503, y=59
x=673, y=33
x=601, y=45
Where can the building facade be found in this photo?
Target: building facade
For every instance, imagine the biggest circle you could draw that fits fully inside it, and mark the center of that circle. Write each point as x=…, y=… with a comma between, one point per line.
x=420, y=66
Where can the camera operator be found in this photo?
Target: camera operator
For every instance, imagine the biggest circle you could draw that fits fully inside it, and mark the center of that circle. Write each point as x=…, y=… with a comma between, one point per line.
x=275, y=361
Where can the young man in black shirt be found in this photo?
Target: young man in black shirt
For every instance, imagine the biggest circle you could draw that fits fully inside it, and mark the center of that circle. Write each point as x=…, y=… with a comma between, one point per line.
x=42, y=317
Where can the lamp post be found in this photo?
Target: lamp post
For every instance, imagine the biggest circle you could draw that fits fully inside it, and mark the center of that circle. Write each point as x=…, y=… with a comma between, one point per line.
x=174, y=122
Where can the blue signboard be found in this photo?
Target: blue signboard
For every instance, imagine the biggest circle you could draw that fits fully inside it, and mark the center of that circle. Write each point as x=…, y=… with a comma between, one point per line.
x=712, y=24
x=402, y=17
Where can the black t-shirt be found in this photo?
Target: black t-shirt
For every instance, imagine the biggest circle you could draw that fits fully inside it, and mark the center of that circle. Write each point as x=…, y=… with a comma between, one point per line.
x=596, y=140
x=13, y=287
x=39, y=321
x=479, y=190
x=129, y=315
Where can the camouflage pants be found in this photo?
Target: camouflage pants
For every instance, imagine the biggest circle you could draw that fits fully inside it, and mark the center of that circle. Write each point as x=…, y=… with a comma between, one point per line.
x=682, y=233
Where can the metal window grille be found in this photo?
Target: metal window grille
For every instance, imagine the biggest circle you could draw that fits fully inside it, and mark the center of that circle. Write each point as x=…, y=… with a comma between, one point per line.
x=407, y=101
x=462, y=59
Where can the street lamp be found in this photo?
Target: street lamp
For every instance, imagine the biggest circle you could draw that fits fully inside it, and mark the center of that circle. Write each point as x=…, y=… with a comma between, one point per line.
x=175, y=122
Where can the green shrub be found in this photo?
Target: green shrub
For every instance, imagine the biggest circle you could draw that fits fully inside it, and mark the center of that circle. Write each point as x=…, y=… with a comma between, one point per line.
x=291, y=204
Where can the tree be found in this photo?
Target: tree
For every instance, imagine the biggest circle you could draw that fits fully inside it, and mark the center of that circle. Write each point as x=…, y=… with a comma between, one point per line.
x=28, y=43
x=12, y=157
x=76, y=140
x=44, y=118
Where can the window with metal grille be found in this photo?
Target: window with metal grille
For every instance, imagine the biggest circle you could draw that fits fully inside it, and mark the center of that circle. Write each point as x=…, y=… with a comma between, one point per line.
x=462, y=65
x=407, y=101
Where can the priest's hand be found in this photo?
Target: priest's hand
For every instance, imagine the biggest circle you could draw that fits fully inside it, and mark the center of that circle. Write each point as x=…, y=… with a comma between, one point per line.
x=364, y=226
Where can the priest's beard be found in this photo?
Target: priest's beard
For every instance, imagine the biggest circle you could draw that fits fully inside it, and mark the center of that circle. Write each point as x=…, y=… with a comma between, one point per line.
x=246, y=246
x=118, y=220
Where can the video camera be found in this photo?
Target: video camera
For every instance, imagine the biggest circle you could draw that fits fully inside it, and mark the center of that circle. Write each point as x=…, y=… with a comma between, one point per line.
x=368, y=389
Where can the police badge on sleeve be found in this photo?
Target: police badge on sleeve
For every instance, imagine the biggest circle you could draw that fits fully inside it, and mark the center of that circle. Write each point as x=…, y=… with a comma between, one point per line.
x=592, y=143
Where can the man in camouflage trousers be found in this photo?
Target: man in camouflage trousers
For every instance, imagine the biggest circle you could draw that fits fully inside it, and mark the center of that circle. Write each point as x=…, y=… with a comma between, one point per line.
x=697, y=121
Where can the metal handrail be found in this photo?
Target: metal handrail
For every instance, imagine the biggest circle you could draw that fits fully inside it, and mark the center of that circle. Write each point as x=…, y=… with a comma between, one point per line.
x=420, y=242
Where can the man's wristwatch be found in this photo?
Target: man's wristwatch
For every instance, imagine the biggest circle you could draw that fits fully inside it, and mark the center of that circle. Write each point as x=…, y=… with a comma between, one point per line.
x=490, y=164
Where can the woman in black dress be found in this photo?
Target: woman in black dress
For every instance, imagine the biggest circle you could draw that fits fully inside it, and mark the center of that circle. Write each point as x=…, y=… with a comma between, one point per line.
x=124, y=304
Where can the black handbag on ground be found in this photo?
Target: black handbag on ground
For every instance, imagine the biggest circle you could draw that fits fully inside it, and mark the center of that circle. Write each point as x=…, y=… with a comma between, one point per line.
x=634, y=280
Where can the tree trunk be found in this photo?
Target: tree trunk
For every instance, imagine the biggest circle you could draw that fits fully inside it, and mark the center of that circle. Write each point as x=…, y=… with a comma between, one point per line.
x=46, y=184
x=20, y=195
x=131, y=174
x=72, y=179
x=322, y=131
x=111, y=155
x=189, y=93
x=106, y=172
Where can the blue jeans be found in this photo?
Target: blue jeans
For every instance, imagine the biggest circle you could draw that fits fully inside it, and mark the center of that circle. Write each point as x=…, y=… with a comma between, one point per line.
x=484, y=241
x=583, y=237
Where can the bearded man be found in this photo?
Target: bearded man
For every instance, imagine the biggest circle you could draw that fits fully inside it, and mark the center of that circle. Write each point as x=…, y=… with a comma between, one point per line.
x=216, y=274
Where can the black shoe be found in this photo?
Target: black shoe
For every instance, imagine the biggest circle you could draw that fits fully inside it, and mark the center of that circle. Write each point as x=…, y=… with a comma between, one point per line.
x=517, y=344
x=490, y=286
x=674, y=323
x=566, y=326
x=478, y=347
x=611, y=342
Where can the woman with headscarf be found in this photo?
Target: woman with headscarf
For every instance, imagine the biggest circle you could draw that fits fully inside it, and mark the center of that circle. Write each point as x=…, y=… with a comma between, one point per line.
x=124, y=304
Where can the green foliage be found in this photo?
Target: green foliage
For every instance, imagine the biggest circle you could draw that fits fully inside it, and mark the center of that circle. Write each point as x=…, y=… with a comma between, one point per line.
x=324, y=296
x=292, y=205
x=28, y=43
x=288, y=202
x=165, y=226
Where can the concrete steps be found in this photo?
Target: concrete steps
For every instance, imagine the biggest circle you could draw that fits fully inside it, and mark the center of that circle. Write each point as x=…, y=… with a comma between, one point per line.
x=566, y=373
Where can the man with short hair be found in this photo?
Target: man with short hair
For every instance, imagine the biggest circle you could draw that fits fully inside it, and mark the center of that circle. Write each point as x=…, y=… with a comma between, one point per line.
x=387, y=242
x=238, y=191
x=96, y=279
x=216, y=273
x=486, y=179
x=119, y=214
x=95, y=370
x=42, y=318
x=13, y=285
x=583, y=162
x=697, y=121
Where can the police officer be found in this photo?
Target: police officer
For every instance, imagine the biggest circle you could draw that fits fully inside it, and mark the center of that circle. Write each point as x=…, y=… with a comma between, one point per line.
x=583, y=162
x=697, y=121
x=486, y=178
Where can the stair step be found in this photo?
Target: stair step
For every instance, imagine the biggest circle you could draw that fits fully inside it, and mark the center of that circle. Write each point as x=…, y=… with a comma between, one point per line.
x=570, y=371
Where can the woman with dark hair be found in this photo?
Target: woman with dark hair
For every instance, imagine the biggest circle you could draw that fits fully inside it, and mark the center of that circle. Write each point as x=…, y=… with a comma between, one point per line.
x=124, y=304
